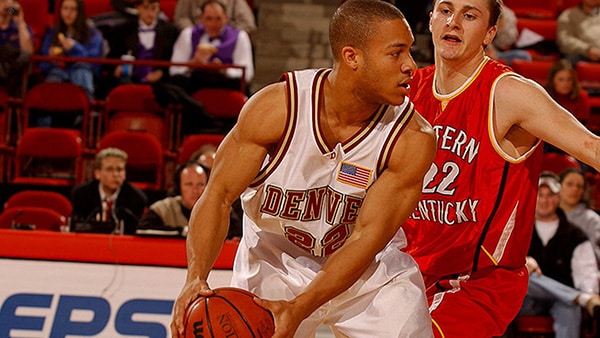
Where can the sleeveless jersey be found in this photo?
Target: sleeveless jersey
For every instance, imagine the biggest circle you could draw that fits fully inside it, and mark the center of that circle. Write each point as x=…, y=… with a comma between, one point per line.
x=478, y=203
x=306, y=198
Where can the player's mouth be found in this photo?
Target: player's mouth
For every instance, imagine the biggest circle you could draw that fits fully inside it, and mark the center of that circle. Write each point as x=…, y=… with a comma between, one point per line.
x=451, y=38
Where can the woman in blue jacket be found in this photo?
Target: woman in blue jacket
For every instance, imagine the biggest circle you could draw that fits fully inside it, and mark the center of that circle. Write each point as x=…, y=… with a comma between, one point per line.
x=72, y=36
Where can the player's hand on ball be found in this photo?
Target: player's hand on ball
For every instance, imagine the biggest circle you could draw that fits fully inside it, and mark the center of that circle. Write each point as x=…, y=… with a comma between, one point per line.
x=191, y=290
x=287, y=318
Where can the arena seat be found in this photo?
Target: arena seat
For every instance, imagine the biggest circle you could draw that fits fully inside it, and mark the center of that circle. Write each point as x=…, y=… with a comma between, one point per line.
x=538, y=9
x=557, y=162
x=42, y=199
x=191, y=143
x=133, y=107
x=535, y=70
x=36, y=217
x=49, y=156
x=62, y=99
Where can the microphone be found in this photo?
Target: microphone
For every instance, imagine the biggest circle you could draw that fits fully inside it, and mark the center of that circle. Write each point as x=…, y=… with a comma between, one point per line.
x=84, y=226
x=124, y=214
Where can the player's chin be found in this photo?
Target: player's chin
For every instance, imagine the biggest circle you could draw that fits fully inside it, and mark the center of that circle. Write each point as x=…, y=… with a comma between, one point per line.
x=398, y=98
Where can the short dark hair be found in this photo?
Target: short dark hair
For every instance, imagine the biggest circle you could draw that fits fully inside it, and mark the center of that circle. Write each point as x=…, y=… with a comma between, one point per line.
x=352, y=23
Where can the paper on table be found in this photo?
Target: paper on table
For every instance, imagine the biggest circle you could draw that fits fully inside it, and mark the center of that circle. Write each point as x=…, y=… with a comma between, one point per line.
x=528, y=38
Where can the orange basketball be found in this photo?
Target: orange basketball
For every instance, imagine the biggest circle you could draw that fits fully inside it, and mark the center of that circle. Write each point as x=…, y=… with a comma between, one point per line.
x=229, y=312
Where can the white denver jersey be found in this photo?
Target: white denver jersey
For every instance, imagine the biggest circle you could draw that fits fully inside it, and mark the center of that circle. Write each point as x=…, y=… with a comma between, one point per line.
x=302, y=207
x=307, y=195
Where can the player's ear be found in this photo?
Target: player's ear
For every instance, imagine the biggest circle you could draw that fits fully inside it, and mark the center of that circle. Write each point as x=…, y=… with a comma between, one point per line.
x=490, y=35
x=351, y=57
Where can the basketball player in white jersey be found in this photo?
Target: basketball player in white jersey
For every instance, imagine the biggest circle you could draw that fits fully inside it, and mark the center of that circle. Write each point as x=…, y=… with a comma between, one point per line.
x=330, y=163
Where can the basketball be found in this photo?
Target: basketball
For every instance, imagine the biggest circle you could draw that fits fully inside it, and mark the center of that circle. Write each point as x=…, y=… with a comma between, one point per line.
x=229, y=312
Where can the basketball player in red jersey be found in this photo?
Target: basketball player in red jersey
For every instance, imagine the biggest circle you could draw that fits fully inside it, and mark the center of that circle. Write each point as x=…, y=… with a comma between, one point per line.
x=472, y=227
x=329, y=163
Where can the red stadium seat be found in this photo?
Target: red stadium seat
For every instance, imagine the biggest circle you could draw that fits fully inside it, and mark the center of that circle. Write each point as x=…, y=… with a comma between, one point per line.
x=192, y=143
x=133, y=107
x=49, y=156
x=221, y=103
x=535, y=325
x=61, y=99
x=557, y=162
x=535, y=70
x=544, y=27
x=539, y=9
x=588, y=74
x=38, y=218
x=168, y=7
x=42, y=199
x=5, y=148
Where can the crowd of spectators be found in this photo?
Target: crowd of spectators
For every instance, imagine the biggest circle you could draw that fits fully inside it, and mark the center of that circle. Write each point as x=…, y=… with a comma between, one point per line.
x=137, y=30
x=109, y=203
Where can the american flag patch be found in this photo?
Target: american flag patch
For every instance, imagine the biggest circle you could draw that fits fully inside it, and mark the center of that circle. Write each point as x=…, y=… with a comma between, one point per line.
x=354, y=175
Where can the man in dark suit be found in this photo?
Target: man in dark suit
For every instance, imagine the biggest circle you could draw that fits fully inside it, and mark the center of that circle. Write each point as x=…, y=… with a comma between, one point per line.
x=109, y=200
x=144, y=37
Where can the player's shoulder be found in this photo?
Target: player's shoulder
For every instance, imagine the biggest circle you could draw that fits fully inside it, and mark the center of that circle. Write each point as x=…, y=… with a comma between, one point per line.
x=418, y=127
x=265, y=114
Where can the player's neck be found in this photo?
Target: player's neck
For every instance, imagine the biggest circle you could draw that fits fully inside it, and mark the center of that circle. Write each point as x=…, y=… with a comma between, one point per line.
x=452, y=74
x=343, y=102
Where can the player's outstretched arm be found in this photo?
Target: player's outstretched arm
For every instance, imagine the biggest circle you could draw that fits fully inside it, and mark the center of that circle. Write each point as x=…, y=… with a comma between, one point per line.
x=522, y=105
x=237, y=162
x=388, y=203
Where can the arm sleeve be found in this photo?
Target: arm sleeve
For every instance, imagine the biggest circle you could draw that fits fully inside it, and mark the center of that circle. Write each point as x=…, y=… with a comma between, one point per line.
x=182, y=49
x=585, y=268
x=242, y=56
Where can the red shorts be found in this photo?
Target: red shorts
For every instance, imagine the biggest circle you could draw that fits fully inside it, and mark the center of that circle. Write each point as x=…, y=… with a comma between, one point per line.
x=481, y=306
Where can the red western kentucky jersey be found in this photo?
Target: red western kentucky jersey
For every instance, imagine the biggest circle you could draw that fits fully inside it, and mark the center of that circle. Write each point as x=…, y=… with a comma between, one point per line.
x=478, y=203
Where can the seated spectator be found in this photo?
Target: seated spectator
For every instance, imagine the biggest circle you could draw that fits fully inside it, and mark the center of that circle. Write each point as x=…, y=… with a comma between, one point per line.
x=74, y=36
x=239, y=13
x=109, y=198
x=562, y=252
x=212, y=41
x=563, y=86
x=16, y=46
x=145, y=37
x=578, y=32
x=573, y=202
x=190, y=179
x=502, y=47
